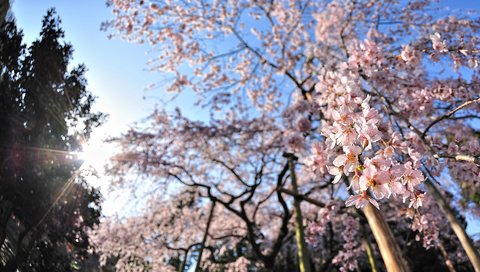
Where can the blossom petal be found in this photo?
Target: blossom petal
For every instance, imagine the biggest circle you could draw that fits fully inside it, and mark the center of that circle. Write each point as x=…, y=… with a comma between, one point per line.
x=374, y=202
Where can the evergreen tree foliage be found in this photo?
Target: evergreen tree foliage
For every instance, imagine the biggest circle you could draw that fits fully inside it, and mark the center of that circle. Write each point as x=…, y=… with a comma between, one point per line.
x=45, y=115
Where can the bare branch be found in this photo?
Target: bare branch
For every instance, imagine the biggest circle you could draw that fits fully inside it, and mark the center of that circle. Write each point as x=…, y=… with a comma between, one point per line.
x=449, y=114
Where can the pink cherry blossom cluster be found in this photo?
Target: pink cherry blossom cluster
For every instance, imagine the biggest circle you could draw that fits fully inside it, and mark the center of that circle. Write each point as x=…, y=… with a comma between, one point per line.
x=461, y=170
x=427, y=224
x=427, y=232
x=318, y=228
x=366, y=152
x=466, y=173
x=455, y=37
x=347, y=257
x=241, y=264
x=317, y=161
x=297, y=123
x=368, y=56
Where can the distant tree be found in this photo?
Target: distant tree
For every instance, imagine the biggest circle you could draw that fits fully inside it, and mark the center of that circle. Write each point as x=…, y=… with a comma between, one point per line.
x=225, y=201
x=45, y=115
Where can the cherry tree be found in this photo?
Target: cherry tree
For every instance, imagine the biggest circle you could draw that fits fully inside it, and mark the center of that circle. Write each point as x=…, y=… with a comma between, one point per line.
x=378, y=100
x=231, y=208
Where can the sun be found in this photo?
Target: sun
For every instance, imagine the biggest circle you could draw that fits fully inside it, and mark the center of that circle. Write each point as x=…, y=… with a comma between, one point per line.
x=95, y=154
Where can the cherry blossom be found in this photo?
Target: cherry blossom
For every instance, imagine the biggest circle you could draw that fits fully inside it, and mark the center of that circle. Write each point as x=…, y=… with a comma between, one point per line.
x=355, y=90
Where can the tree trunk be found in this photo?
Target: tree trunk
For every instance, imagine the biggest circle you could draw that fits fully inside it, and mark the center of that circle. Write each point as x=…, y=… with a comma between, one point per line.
x=368, y=249
x=466, y=242
x=395, y=256
x=303, y=254
x=448, y=262
x=5, y=214
x=184, y=262
x=371, y=260
x=204, y=240
x=21, y=252
x=389, y=249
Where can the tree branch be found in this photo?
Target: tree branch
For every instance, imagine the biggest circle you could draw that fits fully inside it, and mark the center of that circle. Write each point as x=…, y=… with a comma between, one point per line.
x=449, y=114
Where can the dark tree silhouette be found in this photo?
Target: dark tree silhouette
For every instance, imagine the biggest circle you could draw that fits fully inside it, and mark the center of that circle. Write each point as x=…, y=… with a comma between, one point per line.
x=45, y=115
